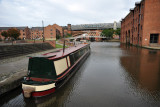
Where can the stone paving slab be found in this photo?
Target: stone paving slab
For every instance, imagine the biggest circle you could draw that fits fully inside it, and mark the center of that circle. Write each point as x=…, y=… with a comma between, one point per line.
x=12, y=70
x=17, y=64
x=149, y=47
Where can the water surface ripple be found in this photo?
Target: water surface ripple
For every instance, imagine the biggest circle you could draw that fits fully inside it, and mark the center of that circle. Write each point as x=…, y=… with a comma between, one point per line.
x=113, y=75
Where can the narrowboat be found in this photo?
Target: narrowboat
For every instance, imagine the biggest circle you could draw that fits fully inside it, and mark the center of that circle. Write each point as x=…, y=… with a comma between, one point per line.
x=48, y=72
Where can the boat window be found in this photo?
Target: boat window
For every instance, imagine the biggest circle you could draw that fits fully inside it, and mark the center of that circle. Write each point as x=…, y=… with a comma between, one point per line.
x=68, y=59
x=41, y=68
x=60, y=65
x=76, y=55
x=72, y=60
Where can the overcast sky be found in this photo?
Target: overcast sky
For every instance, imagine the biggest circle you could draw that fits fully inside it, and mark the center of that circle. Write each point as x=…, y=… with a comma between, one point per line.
x=32, y=12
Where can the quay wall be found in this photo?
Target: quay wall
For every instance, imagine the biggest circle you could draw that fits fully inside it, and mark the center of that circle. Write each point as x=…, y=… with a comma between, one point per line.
x=7, y=51
x=12, y=82
x=13, y=70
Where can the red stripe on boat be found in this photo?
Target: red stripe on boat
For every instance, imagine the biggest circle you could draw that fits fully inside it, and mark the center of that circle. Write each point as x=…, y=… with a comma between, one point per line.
x=39, y=79
x=43, y=93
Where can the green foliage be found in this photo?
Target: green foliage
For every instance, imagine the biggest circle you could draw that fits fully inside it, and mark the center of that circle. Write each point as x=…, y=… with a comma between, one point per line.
x=5, y=34
x=13, y=33
x=118, y=31
x=108, y=33
x=68, y=35
x=60, y=46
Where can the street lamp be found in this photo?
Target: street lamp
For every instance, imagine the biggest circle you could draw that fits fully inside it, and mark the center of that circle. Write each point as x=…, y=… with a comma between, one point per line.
x=43, y=30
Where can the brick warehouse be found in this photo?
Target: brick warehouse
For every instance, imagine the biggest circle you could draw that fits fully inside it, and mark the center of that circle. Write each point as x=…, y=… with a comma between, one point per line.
x=93, y=30
x=50, y=32
x=24, y=32
x=142, y=25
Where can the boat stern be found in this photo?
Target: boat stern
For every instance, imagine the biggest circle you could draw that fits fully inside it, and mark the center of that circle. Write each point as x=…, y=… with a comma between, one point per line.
x=39, y=90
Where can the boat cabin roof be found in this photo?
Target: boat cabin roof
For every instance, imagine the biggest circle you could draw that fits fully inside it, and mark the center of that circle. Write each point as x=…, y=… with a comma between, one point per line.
x=59, y=53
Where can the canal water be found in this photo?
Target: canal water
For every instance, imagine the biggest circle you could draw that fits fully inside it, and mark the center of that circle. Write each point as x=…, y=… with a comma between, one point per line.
x=114, y=75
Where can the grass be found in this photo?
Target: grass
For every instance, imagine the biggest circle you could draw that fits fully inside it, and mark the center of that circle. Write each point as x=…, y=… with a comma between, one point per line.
x=60, y=46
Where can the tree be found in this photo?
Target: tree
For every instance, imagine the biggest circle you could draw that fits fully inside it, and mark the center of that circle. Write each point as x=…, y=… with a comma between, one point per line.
x=108, y=33
x=5, y=34
x=68, y=35
x=118, y=31
x=13, y=33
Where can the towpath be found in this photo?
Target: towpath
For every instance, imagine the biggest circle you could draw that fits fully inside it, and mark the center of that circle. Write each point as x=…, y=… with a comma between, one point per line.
x=13, y=69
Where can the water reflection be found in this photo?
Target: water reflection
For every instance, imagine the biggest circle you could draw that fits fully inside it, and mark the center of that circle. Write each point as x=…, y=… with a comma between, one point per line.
x=58, y=99
x=143, y=66
x=113, y=75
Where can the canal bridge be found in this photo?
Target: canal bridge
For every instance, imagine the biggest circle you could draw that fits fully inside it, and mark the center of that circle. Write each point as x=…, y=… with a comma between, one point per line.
x=88, y=37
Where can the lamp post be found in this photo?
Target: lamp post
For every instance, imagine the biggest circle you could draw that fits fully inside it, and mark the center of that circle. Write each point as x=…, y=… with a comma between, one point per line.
x=43, y=30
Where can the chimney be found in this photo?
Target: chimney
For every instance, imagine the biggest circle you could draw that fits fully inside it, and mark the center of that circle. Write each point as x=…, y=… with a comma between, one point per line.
x=69, y=27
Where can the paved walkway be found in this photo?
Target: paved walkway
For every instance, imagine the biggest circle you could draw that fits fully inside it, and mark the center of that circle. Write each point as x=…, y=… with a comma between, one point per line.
x=149, y=47
x=11, y=66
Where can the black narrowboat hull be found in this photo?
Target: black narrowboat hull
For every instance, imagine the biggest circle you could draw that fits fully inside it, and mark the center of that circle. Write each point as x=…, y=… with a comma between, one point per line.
x=60, y=82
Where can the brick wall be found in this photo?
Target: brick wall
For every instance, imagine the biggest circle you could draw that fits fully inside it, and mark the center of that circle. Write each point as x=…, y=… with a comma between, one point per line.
x=151, y=20
x=142, y=21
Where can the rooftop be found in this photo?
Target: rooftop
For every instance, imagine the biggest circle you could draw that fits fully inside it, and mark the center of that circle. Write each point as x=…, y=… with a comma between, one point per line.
x=37, y=28
x=6, y=28
x=94, y=26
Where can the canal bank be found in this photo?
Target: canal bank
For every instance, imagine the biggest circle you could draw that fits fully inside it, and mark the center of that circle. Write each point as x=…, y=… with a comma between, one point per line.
x=113, y=75
x=146, y=47
x=12, y=71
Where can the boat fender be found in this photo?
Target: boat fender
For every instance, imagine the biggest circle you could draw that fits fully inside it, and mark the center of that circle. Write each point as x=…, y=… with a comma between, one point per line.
x=27, y=91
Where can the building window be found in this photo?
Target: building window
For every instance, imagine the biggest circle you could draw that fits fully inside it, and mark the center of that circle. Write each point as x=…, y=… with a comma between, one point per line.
x=154, y=38
x=141, y=27
x=23, y=33
x=51, y=33
x=51, y=30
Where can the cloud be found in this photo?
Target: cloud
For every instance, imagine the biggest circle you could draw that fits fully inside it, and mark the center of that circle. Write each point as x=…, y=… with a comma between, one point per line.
x=32, y=12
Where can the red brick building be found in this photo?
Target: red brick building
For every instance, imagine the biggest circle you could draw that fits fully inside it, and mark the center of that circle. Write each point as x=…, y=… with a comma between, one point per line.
x=142, y=26
x=92, y=30
x=36, y=33
x=24, y=32
x=50, y=32
x=79, y=29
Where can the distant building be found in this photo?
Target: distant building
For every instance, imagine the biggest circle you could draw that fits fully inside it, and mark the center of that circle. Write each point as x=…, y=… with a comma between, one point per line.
x=50, y=32
x=97, y=26
x=142, y=25
x=90, y=29
x=24, y=32
x=36, y=33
